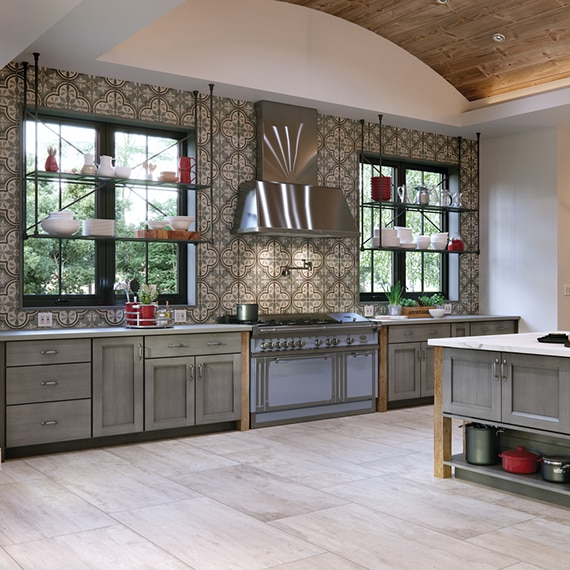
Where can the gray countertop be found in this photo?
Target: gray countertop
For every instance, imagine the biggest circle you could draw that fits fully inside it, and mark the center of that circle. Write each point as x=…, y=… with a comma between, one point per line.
x=386, y=321
x=99, y=332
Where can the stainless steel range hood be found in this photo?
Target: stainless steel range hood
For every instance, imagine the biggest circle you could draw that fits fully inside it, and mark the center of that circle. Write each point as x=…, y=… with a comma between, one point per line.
x=286, y=199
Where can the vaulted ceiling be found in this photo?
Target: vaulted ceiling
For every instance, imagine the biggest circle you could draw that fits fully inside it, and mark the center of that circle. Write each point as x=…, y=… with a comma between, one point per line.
x=455, y=38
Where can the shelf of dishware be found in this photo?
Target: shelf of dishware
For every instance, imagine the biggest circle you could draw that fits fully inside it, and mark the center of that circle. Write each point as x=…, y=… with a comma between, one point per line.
x=414, y=207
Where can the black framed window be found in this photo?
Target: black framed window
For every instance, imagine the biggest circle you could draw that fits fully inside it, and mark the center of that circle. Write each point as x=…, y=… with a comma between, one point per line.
x=84, y=272
x=422, y=273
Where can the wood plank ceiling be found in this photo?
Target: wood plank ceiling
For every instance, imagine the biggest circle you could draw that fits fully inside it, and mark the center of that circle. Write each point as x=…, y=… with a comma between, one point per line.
x=454, y=38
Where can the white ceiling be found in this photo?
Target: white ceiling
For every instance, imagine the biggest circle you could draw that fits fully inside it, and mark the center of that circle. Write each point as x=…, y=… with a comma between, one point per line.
x=310, y=58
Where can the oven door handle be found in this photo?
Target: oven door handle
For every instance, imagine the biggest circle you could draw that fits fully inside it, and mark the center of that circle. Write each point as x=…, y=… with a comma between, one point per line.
x=325, y=356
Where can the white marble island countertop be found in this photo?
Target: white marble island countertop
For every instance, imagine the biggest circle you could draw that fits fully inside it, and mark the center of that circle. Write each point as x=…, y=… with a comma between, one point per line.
x=523, y=343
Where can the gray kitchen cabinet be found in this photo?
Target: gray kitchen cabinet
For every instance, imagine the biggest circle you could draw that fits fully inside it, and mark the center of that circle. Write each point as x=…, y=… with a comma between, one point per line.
x=526, y=390
x=118, y=385
x=192, y=379
x=479, y=328
x=48, y=391
x=410, y=360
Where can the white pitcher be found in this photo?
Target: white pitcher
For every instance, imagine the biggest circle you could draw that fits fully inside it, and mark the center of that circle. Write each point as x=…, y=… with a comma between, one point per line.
x=106, y=167
x=89, y=166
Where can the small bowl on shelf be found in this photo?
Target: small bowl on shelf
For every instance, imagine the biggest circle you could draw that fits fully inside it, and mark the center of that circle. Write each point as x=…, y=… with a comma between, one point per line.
x=437, y=313
x=156, y=224
x=422, y=242
x=179, y=222
x=168, y=176
x=59, y=226
x=122, y=171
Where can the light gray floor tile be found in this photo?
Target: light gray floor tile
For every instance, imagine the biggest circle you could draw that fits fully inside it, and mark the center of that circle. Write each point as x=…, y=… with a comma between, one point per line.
x=257, y=493
x=209, y=535
x=113, y=547
x=321, y=562
x=378, y=541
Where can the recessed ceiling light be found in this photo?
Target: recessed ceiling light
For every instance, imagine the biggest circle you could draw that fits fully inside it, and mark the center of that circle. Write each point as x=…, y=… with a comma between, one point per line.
x=498, y=37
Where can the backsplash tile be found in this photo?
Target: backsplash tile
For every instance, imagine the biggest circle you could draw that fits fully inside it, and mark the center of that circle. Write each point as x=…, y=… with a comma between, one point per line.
x=234, y=269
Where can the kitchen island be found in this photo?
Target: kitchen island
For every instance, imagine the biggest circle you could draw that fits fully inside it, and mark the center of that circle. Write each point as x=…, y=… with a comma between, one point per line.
x=512, y=382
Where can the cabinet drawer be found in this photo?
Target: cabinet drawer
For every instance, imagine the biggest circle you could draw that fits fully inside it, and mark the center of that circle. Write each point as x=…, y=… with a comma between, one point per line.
x=25, y=353
x=479, y=328
x=418, y=333
x=191, y=344
x=27, y=384
x=31, y=424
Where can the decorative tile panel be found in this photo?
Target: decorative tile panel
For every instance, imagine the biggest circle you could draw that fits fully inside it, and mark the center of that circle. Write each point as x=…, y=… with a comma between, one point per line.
x=233, y=269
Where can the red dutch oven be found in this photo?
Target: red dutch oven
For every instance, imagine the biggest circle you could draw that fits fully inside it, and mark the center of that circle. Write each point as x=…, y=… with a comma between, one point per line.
x=520, y=460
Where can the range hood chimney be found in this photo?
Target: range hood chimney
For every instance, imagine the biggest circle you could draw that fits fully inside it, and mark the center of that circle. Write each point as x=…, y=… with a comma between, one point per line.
x=286, y=199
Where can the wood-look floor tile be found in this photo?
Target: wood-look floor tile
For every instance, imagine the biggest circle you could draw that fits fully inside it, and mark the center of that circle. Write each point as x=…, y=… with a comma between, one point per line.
x=41, y=508
x=546, y=544
x=118, y=487
x=208, y=535
x=431, y=507
x=113, y=547
x=321, y=562
x=382, y=542
x=169, y=457
x=258, y=493
x=17, y=470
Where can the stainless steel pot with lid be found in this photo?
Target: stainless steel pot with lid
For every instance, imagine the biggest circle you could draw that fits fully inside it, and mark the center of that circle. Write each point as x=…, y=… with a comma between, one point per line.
x=247, y=312
x=556, y=469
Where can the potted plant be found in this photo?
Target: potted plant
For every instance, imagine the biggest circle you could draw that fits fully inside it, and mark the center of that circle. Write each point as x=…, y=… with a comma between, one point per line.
x=394, y=295
x=148, y=295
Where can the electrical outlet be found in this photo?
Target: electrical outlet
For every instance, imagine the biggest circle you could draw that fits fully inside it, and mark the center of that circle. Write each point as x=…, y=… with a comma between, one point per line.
x=368, y=310
x=447, y=308
x=44, y=320
x=179, y=315
x=566, y=290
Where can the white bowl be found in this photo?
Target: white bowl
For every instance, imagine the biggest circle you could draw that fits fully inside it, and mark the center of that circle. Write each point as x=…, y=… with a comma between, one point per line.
x=60, y=226
x=122, y=171
x=439, y=244
x=156, y=224
x=437, y=313
x=63, y=214
x=422, y=242
x=179, y=222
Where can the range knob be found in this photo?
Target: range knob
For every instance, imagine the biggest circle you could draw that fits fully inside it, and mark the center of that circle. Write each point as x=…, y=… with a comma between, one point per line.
x=290, y=344
x=300, y=343
x=265, y=345
x=283, y=344
x=318, y=342
x=349, y=340
x=335, y=341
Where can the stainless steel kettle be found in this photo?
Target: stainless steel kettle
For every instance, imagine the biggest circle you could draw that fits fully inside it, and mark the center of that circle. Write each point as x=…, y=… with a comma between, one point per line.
x=247, y=312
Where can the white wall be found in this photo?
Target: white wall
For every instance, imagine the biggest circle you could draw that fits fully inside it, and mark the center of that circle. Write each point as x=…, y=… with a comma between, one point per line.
x=563, y=227
x=519, y=228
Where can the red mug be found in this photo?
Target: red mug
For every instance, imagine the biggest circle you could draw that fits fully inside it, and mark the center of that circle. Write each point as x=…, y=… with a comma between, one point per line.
x=146, y=315
x=131, y=313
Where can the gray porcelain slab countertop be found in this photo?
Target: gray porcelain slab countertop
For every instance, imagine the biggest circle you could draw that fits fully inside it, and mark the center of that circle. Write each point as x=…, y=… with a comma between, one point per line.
x=99, y=332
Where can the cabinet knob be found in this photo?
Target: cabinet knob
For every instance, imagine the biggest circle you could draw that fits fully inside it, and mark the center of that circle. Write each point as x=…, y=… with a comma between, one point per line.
x=49, y=423
x=215, y=343
x=48, y=351
x=48, y=383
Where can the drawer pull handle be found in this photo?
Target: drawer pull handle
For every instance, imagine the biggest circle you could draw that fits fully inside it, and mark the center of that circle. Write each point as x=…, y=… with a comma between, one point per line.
x=214, y=343
x=48, y=352
x=49, y=423
x=176, y=345
x=48, y=383
x=432, y=331
x=407, y=333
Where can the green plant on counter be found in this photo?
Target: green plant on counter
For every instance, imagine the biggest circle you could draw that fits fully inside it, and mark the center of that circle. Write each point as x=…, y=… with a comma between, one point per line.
x=394, y=294
x=435, y=299
x=409, y=303
x=148, y=294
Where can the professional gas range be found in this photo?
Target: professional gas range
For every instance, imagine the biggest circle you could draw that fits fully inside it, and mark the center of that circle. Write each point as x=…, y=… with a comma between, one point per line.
x=311, y=366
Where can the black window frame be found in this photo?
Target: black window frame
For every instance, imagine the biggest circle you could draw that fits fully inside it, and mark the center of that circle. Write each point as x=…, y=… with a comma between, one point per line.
x=398, y=264
x=105, y=250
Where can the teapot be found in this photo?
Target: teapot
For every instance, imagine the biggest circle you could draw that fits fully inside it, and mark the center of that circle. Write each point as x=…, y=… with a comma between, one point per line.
x=422, y=195
x=106, y=167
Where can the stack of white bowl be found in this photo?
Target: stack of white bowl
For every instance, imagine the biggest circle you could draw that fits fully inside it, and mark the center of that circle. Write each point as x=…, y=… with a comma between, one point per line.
x=60, y=223
x=439, y=240
x=98, y=227
x=422, y=242
x=406, y=237
x=390, y=237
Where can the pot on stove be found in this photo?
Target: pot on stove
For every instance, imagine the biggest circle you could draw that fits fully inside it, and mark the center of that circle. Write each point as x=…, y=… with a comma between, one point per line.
x=247, y=312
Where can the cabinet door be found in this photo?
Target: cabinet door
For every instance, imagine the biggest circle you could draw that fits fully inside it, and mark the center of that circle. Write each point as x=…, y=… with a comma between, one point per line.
x=360, y=371
x=218, y=388
x=169, y=392
x=536, y=391
x=404, y=371
x=472, y=383
x=117, y=385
